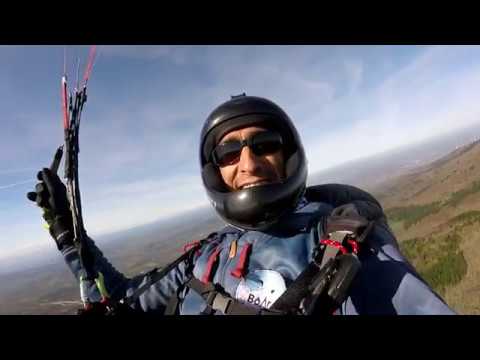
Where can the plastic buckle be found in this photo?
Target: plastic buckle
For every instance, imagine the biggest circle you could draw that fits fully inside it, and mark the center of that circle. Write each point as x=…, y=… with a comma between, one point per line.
x=221, y=302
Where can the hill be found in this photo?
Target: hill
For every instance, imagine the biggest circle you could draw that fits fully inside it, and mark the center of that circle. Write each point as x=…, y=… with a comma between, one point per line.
x=434, y=211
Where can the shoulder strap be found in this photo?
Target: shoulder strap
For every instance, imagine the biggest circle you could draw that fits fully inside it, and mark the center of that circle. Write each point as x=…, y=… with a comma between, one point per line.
x=218, y=300
x=155, y=275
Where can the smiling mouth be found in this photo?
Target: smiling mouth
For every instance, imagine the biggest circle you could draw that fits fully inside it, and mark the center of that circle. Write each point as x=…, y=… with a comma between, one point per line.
x=255, y=184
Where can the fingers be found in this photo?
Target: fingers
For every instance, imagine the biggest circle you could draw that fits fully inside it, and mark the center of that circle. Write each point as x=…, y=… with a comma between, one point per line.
x=42, y=199
x=40, y=187
x=48, y=190
x=41, y=194
x=51, y=180
x=32, y=196
x=56, y=160
x=38, y=198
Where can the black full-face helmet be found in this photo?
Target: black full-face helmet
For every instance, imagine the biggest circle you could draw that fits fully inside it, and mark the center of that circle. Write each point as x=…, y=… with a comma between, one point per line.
x=254, y=208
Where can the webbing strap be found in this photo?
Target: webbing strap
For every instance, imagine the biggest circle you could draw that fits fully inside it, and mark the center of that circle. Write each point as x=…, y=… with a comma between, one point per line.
x=172, y=306
x=219, y=300
x=156, y=275
x=297, y=290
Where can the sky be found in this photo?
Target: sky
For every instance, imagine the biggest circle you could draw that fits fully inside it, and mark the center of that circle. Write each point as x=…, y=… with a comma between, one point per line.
x=140, y=128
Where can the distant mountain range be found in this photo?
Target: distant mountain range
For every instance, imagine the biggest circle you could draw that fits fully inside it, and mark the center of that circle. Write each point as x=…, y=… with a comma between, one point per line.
x=370, y=172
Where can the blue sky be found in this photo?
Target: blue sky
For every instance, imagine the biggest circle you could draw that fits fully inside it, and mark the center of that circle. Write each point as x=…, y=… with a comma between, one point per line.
x=140, y=128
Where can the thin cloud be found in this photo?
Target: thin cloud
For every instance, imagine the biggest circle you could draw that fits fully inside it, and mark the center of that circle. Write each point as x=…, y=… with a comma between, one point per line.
x=17, y=170
x=139, y=140
x=8, y=186
x=403, y=110
x=177, y=54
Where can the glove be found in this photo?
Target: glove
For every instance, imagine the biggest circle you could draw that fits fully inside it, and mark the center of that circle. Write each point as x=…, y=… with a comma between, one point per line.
x=347, y=210
x=347, y=217
x=51, y=195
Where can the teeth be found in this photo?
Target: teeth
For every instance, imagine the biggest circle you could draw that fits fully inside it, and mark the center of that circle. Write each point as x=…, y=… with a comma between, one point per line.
x=253, y=185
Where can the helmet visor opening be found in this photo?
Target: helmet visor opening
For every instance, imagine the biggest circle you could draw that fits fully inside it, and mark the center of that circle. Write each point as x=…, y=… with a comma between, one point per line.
x=262, y=143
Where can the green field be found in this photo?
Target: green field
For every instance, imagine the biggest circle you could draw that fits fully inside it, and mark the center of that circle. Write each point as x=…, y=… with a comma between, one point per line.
x=410, y=215
x=438, y=259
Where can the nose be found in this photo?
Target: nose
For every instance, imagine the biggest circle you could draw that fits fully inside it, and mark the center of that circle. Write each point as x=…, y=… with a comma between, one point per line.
x=248, y=162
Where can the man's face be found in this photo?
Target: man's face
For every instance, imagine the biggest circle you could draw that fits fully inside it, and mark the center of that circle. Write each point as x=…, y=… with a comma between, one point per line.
x=251, y=169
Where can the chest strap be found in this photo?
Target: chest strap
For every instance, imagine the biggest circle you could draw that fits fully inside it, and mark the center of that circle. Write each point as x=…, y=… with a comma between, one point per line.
x=218, y=300
x=154, y=275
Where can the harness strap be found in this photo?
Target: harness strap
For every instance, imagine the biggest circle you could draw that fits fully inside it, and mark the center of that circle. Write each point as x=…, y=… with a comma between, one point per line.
x=327, y=249
x=172, y=306
x=218, y=300
x=191, y=244
x=155, y=275
x=296, y=291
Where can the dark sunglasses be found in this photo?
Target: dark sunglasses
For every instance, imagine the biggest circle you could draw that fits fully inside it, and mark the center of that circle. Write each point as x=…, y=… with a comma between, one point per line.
x=262, y=143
